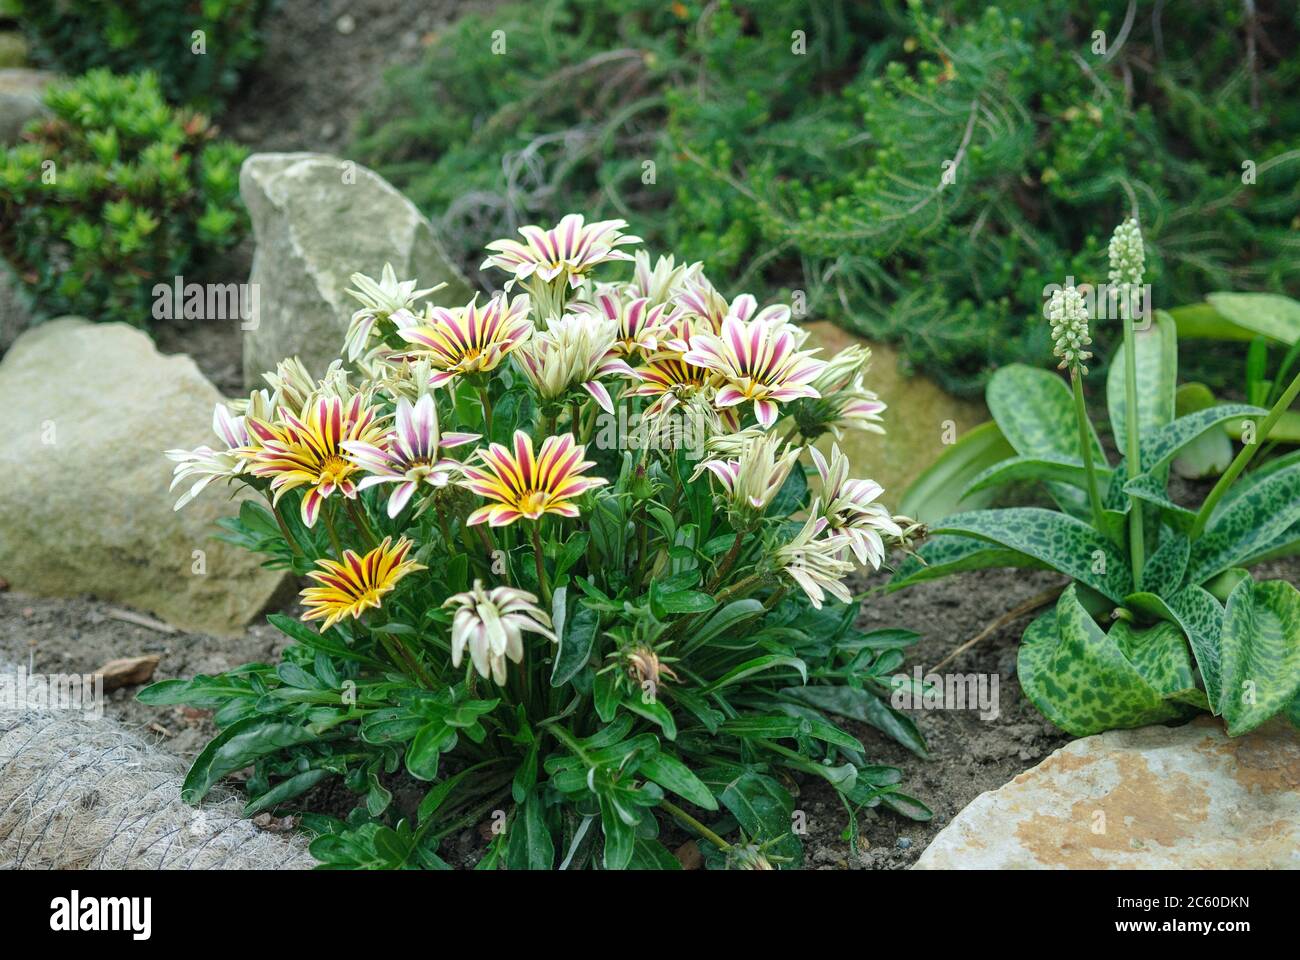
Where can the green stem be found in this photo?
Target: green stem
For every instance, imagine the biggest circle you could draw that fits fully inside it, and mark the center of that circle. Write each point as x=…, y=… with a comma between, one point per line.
x=328, y=514
x=486, y=400
x=1244, y=456
x=284, y=529
x=1137, y=545
x=541, y=564
x=1085, y=444
x=359, y=518
x=727, y=562
x=688, y=821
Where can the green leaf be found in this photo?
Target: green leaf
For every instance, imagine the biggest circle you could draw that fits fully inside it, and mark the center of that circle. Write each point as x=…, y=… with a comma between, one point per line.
x=1210, y=453
x=858, y=704
x=1259, y=653
x=1267, y=314
x=236, y=747
x=1163, y=572
x=654, y=711
x=1035, y=410
x=1201, y=617
x=1156, y=355
x=1061, y=541
x=763, y=809
x=1080, y=678
x=1252, y=521
x=909, y=807
x=1045, y=469
x=758, y=665
x=529, y=845
x=1161, y=655
x=937, y=491
x=671, y=774
x=726, y=619
x=576, y=644
x=285, y=790
x=941, y=556
x=652, y=855
x=793, y=495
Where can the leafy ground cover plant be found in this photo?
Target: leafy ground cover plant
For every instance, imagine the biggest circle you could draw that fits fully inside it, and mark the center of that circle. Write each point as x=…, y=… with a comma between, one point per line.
x=567, y=571
x=1162, y=618
x=196, y=49
x=113, y=194
x=916, y=170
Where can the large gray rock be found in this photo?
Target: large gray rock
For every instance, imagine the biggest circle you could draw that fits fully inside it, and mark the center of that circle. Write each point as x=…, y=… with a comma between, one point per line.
x=1187, y=797
x=84, y=505
x=317, y=220
x=21, y=93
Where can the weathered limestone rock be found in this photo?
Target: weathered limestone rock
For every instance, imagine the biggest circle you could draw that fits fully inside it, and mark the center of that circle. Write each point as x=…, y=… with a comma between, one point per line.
x=1187, y=797
x=21, y=91
x=317, y=220
x=84, y=505
x=916, y=421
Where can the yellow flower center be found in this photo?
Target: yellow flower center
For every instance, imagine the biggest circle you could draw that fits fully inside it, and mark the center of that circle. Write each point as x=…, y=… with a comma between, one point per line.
x=533, y=501
x=334, y=468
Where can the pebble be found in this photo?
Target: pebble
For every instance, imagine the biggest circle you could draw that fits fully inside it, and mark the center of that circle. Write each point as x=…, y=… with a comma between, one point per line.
x=345, y=24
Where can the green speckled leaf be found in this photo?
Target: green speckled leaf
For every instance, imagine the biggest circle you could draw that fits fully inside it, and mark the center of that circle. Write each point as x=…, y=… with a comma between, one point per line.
x=1160, y=653
x=1150, y=490
x=1035, y=411
x=1061, y=541
x=1253, y=521
x=1079, y=677
x=1047, y=469
x=1270, y=314
x=1201, y=617
x=1164, y=569
x=1157, y=375
x=1260, y=653
x=941, y=556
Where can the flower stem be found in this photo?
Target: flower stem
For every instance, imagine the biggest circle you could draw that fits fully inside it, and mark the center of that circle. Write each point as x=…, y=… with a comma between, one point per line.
x=541, y=563
x=1137, y=545
x=1244, y=456
x=359, y=518
x=328, y=515
x=727, y=562
x=1085, y=444
x=284, y=528
x=687, y=820
x=486, y=401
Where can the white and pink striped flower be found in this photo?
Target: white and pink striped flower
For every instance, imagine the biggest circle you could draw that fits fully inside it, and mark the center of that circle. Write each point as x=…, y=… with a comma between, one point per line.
x=411, y=455
x=566, y=252
x=574, y=351
x=759, y=360
x=469, y=339
x=208, y=463
x=638, y=323
x=752, y=479
x=851, y=508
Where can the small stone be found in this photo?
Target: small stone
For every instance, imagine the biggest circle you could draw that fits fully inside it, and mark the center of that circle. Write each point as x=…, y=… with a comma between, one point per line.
x=904, y=843
x=345, y=24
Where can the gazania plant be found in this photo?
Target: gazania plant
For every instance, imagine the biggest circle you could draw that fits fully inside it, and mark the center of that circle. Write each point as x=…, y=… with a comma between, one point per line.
x=576, y=573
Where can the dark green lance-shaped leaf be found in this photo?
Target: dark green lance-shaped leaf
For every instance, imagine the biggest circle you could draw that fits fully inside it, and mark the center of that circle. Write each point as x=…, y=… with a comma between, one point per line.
x=907, y=806
x=576, y=643
x=725, y=619
x=1260, y=653
x=1080, y=679
x=1160, y=653
x=654, y=711
x=1045, y=469
x=430, y=742
x=1156, y=357
x=857, y=704
x=297, y=630
x=1035, y=410
x=937, y=492
x=1164, y=570
x=1249, y=524
x=759, y=665
x=1061, y=541
x=285, y=790
x=1268, y=314
x=671, y=774
x=652, y=855
x=236, y=747
x=529, y=845
x=763, y=809
x=1154, y=491
x=942, y=556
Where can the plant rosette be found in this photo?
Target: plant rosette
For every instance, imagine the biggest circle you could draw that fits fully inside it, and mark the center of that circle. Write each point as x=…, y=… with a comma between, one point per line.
x=567, y=572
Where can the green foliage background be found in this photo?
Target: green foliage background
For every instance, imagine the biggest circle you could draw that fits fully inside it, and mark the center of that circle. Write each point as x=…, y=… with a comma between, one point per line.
x=822, y=172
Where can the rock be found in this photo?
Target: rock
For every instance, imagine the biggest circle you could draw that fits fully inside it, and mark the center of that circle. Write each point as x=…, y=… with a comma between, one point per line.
x=128, y=671
x=21, y=93
x=84, y=506
x=1177, y=798
x=15, y=315
x=916, y=420
x=317, y=220
x=13, y=49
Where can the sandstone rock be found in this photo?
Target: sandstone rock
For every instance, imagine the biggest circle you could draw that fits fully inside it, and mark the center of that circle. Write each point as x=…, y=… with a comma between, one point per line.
x=317, y=221
x=84, y=506
x=1180, y=798
x=13, y=49
x=20, y=100
x=915, y=421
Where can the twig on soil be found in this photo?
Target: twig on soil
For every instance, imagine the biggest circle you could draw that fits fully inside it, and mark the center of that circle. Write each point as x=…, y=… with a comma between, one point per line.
x=139, y=619
x=1031, y=605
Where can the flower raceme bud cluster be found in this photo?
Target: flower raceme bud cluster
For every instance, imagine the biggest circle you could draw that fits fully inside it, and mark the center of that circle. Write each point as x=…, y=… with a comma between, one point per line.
x=444, y=427
x=1068, y=315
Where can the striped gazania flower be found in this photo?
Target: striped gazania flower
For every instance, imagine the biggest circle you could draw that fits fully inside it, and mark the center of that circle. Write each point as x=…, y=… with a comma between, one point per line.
x=469, y=339
x=573, y=351
x=662, y=281
x=350, y=587
x=410, y=455
x=760, y=362
x=845, y=403
x=566, y=252
x=752, y=479
x=307, y=450
x=817, y=566
x=851, y=508
x=491, y=623
x=524, y=485
x=208, y=463
x=637, y=322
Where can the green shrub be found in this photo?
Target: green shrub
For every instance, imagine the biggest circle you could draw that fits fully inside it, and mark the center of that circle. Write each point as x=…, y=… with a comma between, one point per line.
x=822, y=171
x=159, y=35
x=114, y=193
